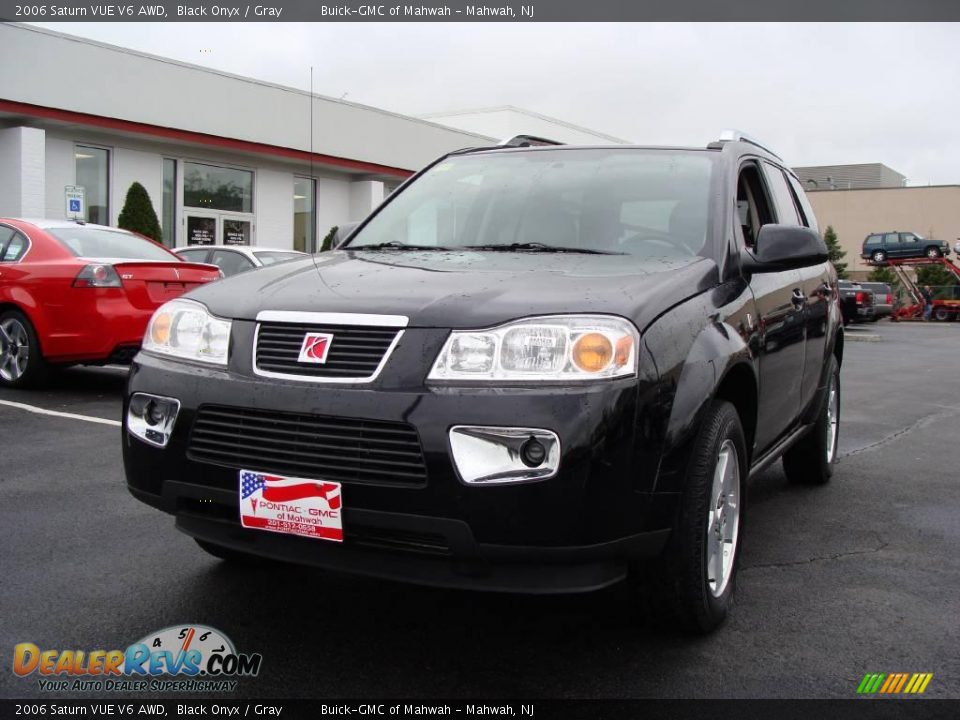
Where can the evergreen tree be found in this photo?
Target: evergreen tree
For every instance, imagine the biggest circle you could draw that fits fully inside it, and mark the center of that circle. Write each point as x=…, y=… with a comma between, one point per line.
x=327, y=243
x=883, y=275
x=935, y=276
x=834, y=252
x=138, y=215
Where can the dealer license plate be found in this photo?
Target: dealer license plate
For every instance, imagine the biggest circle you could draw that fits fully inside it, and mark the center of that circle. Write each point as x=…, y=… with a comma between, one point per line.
x=290, y=505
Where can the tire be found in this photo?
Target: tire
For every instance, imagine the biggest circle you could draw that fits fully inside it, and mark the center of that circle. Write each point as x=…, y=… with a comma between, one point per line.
x=933, y=253
x=228, y=554
x=879, y=256
x=811, y=461
x=21, y=362
x=696, y=598
x=942, y=314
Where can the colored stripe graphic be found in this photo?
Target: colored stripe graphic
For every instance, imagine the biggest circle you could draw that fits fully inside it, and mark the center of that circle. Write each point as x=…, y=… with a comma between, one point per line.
x=894, y=683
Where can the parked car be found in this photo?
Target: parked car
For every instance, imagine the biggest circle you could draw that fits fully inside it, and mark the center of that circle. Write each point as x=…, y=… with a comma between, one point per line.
x=896, y=245
x=882, y=299
x=233, y=259
x=532, y=369
x=78, y=293
x=856, y=302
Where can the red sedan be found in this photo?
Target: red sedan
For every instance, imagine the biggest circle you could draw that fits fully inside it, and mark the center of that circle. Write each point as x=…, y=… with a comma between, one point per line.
x=79, y=293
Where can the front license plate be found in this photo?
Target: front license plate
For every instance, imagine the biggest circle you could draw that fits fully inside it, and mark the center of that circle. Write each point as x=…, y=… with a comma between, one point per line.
x=294, y=506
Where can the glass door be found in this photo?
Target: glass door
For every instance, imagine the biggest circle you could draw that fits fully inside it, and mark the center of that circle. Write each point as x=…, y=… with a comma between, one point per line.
x=201, y=229
x=217, y=229
x=235, y=231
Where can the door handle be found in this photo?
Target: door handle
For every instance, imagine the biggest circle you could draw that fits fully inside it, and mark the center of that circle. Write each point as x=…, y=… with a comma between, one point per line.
x=798, y=297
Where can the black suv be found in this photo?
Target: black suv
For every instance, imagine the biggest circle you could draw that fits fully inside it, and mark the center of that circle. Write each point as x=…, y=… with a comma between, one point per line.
x=532, y=369
x=883, y=246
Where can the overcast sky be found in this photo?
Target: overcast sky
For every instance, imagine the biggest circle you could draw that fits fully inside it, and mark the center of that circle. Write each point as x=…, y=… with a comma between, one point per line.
x=818, y=93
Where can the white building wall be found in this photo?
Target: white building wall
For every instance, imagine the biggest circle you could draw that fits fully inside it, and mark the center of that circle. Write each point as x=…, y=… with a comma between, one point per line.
x=61, y=171
x=274, y=209
x=130, y=166
x=333, y=205
x=364, y=197
x=22, y=172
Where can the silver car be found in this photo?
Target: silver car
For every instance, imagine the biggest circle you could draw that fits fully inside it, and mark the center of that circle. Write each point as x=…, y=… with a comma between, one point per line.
x=234, y=259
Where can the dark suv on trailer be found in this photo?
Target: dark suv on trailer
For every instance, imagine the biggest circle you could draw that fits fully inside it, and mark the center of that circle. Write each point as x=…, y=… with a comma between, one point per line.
x=883, y=246
x=532, y=369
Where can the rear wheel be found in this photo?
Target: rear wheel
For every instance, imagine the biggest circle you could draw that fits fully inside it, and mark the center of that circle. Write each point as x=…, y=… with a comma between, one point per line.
x=933, y=253
x=879, y=256
x=942, y=314
x=811, y=461
x=698, y=570
x=21, y=364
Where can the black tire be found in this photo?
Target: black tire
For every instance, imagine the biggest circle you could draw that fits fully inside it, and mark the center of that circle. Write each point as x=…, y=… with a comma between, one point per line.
x=15, y=372
x=934, y=252
x=879, y=256
x=942, y=314
x=228, y=554
x=683, y=589
x=811, y=461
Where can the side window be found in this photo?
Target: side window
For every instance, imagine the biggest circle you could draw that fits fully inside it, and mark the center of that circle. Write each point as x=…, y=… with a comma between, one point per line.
x=194, y=255
x=5, y=235
x=908, y=238
x=787, y=212
x=891, y=239
x=230, y=263
x=807, y=216
x=872, y=240
x=753, y=204
x=14, y=249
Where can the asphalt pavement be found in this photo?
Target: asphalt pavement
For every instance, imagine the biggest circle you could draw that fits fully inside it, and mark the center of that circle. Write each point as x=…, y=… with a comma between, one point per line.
x=860, y=576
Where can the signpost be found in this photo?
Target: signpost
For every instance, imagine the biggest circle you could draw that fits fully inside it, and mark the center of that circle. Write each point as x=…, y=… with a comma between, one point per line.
x=76, y=205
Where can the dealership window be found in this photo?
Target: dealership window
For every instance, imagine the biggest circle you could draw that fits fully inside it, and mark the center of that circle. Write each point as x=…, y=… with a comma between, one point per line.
x=217, y=188
x=304, y=215
x=93, y=175
x=168, y=221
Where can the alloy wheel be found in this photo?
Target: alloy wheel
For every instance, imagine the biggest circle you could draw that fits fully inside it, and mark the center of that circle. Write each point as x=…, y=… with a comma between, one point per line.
x=723, y=518
x=14, y=349
x=833, y=419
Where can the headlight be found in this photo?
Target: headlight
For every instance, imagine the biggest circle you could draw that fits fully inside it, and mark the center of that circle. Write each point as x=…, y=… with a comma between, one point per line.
x=184, y=329
x=561, y=348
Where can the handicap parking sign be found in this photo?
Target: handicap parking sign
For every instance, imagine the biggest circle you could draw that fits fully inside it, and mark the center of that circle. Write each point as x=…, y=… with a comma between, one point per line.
x=74, y=205
x=74, y=197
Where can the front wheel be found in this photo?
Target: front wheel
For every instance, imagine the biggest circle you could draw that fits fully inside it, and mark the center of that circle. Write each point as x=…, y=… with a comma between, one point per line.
x=21, y=364
x=811, y=461
x=698, y=570
x=933, y=253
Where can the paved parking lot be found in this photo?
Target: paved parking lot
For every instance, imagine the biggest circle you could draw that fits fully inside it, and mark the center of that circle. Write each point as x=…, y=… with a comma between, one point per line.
x=860, y=576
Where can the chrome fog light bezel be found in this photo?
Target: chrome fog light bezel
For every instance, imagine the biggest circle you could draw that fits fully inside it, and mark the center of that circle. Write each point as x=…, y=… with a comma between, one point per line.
x=492, y=455
x=137, y=423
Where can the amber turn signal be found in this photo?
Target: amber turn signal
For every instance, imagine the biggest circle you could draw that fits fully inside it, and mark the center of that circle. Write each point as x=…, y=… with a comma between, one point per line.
x=592, y=352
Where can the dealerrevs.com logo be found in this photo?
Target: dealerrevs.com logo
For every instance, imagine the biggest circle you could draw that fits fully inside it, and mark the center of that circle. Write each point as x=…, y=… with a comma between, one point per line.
x=180, y=658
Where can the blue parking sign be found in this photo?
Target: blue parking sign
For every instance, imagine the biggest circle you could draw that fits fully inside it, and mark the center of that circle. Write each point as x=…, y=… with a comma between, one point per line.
x=74, y=205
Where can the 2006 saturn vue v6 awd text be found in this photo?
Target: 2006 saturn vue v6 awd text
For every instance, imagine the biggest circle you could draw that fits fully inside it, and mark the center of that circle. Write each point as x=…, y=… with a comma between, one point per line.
x=535, y=368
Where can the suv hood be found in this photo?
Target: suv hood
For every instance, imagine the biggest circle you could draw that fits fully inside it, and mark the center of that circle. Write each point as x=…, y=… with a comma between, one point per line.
x=463, y=289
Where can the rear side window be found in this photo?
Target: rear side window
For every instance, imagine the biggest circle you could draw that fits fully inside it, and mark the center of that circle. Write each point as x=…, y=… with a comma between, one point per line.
x=87, y=242
x=15, y=248
x=230, y=262
x=891, y=239
x=194, y=255
x=5, y=235
x=872, y=240
x=787, y=212
x=810, y=220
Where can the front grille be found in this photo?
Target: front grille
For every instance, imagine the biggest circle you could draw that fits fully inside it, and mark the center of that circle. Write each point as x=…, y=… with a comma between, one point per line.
x=355, y=352
x=310, y=446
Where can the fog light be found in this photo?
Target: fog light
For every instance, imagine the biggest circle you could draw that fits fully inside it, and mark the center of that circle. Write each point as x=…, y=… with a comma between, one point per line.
x=151, y=417
x=533, y=453
x=495, y=455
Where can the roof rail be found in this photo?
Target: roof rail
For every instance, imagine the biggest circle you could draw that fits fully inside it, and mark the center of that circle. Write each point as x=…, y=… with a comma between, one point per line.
x=740, y=136
x=527, y=141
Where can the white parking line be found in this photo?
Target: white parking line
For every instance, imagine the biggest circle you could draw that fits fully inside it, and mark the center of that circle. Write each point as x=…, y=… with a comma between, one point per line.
x=56, y=413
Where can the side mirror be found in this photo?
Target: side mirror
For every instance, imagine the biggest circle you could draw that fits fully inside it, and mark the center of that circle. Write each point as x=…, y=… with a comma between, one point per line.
x=784, y=247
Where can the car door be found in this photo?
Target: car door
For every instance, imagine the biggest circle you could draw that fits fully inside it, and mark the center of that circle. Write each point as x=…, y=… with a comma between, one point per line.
x=779, y=301
x=891, y=245
x=910, y=246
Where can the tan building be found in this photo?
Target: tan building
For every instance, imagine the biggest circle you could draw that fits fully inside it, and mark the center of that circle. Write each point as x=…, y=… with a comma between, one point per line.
x=932, y=211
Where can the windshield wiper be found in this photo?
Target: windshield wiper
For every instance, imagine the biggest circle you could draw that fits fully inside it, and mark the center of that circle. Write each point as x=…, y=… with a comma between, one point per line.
x=541, y=247
x=394, y=245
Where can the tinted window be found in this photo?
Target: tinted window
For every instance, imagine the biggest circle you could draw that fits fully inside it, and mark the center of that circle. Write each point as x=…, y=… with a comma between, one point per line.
x=908, y=238
x=872, y=240
x=229, y=262
x=90, y=242
x=807, y=210
x=194, y=255
x=5, y=234
x=642, y=202
x=782, y=197
x=217, y=188
x=891, y=239
x=269, y=257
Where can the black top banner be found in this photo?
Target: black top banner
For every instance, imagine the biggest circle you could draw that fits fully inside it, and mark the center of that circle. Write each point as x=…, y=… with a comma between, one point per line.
x=519, y=12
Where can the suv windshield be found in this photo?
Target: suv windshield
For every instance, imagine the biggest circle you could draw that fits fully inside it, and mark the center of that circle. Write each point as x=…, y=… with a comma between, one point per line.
x=639, y=202
x=87, y=242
